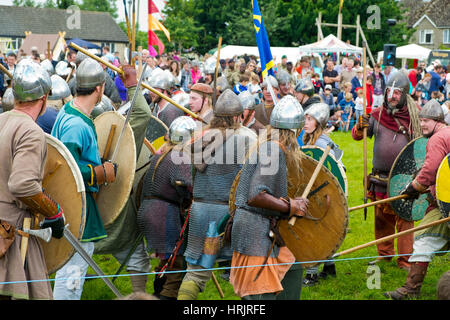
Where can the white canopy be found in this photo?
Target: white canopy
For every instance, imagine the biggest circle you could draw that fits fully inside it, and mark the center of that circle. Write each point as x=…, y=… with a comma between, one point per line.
x=410, y=51
x=228, y=52
x=330, y=44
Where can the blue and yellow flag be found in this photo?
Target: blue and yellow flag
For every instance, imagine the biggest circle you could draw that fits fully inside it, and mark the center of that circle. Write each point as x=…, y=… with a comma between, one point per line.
x=262, y=41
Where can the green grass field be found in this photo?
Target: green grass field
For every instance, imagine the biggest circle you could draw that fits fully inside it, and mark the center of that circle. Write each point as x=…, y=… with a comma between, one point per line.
x=353, y=275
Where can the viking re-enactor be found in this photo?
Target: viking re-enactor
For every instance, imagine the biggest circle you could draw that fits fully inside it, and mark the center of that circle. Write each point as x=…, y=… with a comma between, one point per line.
x=76, y=130
x=432, y=239
x=23, y=152
x=393, y=126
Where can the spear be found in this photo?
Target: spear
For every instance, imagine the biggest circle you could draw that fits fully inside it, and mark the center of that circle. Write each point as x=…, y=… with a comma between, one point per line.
x=146, y=86
x=365, y=129
x=390, y=237
x=216, y=71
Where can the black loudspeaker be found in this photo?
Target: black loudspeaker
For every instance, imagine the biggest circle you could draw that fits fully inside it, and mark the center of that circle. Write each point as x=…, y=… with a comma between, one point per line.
x=389, y=54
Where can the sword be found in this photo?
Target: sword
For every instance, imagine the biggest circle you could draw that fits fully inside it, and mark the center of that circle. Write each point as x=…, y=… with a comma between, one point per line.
x=116, y=147
x=78, y=248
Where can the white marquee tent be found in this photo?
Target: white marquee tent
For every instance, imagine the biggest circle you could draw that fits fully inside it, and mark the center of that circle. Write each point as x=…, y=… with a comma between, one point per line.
x=330, y=44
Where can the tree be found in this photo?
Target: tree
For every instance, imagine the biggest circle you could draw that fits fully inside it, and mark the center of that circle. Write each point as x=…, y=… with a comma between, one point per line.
x=100, y=5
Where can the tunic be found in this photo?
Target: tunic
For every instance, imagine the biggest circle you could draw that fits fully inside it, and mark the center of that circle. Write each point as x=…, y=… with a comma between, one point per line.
x=77, y=132
x=251, y=226
x=23, y=152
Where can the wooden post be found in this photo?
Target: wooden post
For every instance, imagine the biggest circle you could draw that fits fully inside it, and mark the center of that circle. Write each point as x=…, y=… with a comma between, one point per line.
x=365, y=44
x=319, y=27
x=339, y=31
x=357, y=30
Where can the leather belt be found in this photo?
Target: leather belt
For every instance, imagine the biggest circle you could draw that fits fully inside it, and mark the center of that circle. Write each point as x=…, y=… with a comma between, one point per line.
x=211, y=201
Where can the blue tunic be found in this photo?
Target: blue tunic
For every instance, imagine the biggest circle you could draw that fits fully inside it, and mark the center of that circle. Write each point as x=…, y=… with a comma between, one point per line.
x=77, y=131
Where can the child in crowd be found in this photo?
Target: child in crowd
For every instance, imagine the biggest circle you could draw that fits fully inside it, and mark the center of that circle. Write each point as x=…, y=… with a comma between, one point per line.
x=244, y=79
x=347, y=106
x=359, y=103
x=255, y=88
x=318, y=85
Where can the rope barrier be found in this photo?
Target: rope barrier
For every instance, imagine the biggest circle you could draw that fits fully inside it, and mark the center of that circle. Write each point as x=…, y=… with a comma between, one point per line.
x=219, y=268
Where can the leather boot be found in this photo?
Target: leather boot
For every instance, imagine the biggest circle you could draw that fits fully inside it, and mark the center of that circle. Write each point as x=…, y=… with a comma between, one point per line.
x=188, y=290
x=411, y=288
x=138, y=282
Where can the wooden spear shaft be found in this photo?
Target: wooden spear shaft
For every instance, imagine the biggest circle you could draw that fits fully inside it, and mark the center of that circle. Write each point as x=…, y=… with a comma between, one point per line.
x=370, y=204
x=216, y=71
x=392, y=236
x=313, y=179
x=5, y=71
x=146, y=86
x=365, y=130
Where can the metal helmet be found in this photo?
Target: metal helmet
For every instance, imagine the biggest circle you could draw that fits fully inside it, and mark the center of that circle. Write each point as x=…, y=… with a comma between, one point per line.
x=305, y=86
x=60, y=88
x=171, y=80
x=182, y=99
x=30, y=81
x=319, y=111
x=222, y=83
x=202, y=88
x=283, y=77
x=80, y=57
x=272, y=80
x=228, y=104
x=159, y=79
x=181, y=129
x=89, y=74
x=247, y=100
x=397, y=81
x=432, y=110
x=210, y=66
x=104, y=105
x=8, y=100
x=48, y=66
x=287, y=114
x=63, y=69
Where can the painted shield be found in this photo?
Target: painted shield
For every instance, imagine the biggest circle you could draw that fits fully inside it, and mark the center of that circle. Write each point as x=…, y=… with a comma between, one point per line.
x=156, y=130
x=443, y=186
x=330, y=163
x=64, y=183
x=405, y=168
x=320, y=235
x=112, y=198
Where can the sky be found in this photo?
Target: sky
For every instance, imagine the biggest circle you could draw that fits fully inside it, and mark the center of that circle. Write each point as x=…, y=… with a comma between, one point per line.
x=142, y=14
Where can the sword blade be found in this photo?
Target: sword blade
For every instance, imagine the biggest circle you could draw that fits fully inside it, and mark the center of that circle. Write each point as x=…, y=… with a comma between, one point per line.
x=78, y=248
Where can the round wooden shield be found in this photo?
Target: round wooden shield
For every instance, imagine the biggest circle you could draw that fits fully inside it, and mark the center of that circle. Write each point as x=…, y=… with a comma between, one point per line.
x=318, y=237
x=156, y=130
x=330, y=163
x=112, y=198
x=443, y=186
x=64, y=183
x=403, y=171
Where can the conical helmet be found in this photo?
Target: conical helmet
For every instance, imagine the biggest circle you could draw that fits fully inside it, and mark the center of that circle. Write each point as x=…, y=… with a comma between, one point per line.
x=287, y=114
x=48, y=66
x=228, y=104
x=272, y=80
x=60, y=88
x=247, y=100
x=89, y=74
x=432, y=110
x=30, y=81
